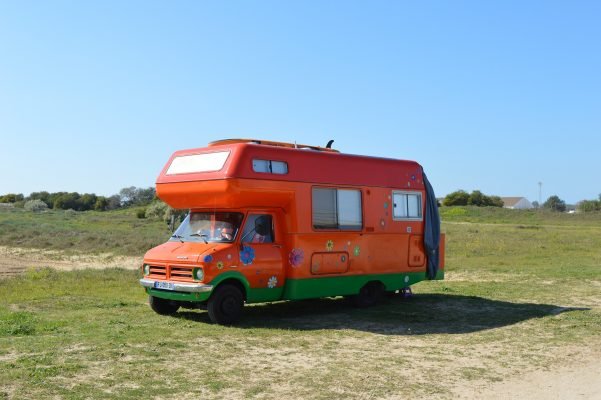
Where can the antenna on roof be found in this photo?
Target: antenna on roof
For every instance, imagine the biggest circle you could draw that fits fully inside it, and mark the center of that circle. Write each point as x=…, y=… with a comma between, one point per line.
x=329, y=145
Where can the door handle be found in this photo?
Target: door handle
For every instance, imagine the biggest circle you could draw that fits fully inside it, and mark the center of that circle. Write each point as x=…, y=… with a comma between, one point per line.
x=279, y=246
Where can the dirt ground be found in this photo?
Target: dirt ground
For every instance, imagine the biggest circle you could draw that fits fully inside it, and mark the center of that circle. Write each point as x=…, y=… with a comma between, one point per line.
x=578, y=378
x=14, y=260
x=581, y=379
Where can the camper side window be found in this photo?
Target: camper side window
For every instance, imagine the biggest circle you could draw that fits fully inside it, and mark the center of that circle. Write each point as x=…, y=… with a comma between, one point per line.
x=407, y=205
x=270, y=167
x=337, y=209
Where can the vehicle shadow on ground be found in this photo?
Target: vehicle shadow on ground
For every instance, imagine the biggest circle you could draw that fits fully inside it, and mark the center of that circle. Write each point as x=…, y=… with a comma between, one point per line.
x=419, y=315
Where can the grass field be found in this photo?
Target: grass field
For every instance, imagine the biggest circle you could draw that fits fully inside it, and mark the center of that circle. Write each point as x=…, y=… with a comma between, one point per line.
x=523, y=293
x=117, y=232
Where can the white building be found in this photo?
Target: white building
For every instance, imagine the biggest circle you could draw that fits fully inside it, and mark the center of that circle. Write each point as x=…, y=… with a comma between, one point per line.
x=518, y=203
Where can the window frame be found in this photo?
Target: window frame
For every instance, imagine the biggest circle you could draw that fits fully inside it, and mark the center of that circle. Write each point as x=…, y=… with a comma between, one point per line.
x=420, y=203
x=337, y=228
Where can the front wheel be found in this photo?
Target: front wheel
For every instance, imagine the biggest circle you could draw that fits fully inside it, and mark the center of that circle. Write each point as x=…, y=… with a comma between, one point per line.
x=225, y=305
x=163, y=306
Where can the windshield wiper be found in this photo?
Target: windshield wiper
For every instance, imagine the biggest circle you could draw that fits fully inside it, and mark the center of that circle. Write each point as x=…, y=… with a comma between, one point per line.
x=202, y=235
x=178, y=237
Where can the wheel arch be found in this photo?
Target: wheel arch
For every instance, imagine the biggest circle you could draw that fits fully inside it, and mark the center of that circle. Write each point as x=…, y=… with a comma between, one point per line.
x=232, y=278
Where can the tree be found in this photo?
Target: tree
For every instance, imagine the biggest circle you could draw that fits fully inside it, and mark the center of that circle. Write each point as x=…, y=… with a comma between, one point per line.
x=496, y=201
x=133, y=196
x=477, y=198
x=11, y=198
x=127, y=196
x=457, y=198
x=87, y=202
x=66, y=201
x=535, y=204
x=113, y=202
x=554, y=203
x=101, y=204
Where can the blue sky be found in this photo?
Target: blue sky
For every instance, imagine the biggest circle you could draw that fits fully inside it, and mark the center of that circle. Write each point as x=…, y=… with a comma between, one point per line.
x=494, y=96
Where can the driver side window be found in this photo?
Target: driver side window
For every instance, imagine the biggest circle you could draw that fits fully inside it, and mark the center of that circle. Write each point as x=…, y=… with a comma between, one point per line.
x=258, y=229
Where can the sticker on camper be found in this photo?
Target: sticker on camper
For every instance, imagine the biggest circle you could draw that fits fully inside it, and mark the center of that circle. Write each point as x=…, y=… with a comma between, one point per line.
x=357, y=251
x=296, y=257
x=272, y=282
x=219, y=264
x=330, y=245
x=247, y=255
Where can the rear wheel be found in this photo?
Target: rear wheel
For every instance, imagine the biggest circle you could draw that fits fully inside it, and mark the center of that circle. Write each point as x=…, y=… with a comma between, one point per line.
x=225, y=305
x=369, y=295
x=163, y=306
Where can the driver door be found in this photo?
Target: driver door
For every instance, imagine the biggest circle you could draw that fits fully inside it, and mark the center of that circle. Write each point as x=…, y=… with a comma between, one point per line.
x=262, y=246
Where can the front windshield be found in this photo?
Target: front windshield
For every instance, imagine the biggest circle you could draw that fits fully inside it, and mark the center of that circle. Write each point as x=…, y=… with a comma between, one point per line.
x=209, y=227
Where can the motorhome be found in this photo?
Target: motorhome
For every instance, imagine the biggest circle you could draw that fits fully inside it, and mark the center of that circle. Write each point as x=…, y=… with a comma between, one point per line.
x=272, y=221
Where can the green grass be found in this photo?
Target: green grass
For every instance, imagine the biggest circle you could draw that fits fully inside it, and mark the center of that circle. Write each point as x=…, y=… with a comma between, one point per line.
x=117, y=232
x=520, y=295
x=495, y=215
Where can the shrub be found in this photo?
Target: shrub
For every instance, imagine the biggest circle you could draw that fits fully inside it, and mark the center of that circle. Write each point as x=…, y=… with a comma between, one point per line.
x=35, y=205
x=458, y=198
x=11, y=198
x=476, y=198
x=70, y=213
x=141, y=213
x=589, y=205
x=554, y=203
x=158, y=209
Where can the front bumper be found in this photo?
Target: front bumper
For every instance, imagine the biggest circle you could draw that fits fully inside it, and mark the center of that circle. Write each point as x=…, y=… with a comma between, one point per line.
x=192, y=292
x=180, y=287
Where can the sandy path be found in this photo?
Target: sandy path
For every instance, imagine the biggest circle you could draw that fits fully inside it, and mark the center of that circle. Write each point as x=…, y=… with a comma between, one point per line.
x=581, y=380
x=14, y=260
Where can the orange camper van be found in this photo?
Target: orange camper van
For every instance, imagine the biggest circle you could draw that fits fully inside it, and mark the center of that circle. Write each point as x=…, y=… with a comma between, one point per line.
x=275, y=221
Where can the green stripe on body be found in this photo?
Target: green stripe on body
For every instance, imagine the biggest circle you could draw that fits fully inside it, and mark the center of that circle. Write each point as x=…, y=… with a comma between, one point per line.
x=296, y=289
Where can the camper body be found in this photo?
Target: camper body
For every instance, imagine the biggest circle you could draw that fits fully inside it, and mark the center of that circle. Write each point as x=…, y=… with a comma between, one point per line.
x=272, y=221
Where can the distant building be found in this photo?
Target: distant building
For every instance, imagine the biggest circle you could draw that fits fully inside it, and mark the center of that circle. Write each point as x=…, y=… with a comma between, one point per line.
x=518, y=203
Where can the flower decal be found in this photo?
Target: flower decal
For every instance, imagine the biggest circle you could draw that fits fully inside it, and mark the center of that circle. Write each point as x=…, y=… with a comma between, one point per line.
x=247, y=255
x=219, y=264
x=272, y=282
x=208, y=258
x=296, y=257
x=330, y=245
x=357, y=251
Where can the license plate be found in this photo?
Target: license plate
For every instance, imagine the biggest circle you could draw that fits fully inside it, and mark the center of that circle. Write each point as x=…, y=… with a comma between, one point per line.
x=164, y=285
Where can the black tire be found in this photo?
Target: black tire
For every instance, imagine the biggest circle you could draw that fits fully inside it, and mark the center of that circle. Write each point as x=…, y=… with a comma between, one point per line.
x=369, y=295
x=225, y=305
x=163, y=306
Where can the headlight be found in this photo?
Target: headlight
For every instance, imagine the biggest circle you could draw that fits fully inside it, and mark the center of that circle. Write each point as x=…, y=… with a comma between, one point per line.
x=146, y=269
x=199, y=274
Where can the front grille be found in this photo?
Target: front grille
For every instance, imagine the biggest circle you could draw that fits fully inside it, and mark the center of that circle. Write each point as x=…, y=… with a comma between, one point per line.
x=178, y=273
x=171, y=272
x=158, y=271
